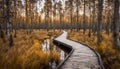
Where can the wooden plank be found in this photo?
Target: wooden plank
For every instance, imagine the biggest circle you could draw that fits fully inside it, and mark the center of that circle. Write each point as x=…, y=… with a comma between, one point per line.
x=82, y=57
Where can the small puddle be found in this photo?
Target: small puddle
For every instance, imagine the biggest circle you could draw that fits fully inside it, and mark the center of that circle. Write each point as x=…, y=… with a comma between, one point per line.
x=49, y=46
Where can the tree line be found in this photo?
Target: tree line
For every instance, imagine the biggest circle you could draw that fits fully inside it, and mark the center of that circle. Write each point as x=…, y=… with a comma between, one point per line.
x=92, y=15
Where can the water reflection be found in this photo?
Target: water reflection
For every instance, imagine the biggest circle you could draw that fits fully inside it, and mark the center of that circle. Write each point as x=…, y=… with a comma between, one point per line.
x=49, y=46
x=46, y=45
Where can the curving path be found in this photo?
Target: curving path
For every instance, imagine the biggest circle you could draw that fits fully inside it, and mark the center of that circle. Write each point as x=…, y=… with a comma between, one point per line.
x=83, y=57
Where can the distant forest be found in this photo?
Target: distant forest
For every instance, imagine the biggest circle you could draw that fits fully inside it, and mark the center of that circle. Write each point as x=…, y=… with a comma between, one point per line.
x=94, y=15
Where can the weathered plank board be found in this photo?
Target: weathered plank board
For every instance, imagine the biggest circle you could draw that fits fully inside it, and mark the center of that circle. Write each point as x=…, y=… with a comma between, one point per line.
x=83, y=57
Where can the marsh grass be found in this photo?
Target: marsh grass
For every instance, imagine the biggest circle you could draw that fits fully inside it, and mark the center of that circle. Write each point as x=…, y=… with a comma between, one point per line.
x=26, y=52
x=110, y=56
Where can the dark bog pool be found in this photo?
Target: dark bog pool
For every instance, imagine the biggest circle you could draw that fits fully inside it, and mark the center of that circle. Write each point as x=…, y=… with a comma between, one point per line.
x=49, y=46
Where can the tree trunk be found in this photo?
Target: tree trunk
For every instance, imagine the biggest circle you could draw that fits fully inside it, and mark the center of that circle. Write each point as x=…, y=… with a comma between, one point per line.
x=77, y=26
x=60, y=20
x=15, y=17
x=9, y=26
x=108, y=23
x=3, y=9
x=89, y=34
x=1, y=32
x=26, y=9
x=99, y=27
x=116, y=40
x=71, y=20
x=84, y=24
x=71, y=15
x=93, y=17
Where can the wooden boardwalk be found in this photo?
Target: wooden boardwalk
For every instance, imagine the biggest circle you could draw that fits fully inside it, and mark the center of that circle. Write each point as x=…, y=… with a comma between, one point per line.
x=82, y=57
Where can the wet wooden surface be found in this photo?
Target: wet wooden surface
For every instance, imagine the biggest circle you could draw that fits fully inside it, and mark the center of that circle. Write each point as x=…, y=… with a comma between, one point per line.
x=82, y=57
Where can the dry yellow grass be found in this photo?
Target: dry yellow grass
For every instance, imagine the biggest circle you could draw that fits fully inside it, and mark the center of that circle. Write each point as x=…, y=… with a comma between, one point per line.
x=110, y=56
x=54, y=55
x=26, y=52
